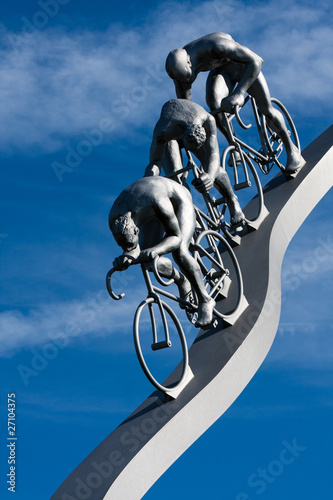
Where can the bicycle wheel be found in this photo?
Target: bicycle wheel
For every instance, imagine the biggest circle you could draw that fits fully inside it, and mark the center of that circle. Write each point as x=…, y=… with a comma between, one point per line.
x=274, y=143
x=158, y=314
x=246, y=182
x=221, y=272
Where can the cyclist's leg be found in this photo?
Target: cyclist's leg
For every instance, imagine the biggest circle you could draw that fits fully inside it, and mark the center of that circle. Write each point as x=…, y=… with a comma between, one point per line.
x=189, y=266
x=223, y=185
x=218, y=86
x=172, y=161
x=260, y=91
x=151, y=233
x=167, y=270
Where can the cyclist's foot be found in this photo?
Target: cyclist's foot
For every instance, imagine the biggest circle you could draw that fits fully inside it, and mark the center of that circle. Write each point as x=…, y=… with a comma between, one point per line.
x=205, y=313
x=295, y=162
x=236, y=214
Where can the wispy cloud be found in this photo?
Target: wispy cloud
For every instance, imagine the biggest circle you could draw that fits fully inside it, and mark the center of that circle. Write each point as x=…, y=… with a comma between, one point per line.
x=305, y=345
x=95, y=315
x=311, y=259
x=304, y=336
x=58, y=83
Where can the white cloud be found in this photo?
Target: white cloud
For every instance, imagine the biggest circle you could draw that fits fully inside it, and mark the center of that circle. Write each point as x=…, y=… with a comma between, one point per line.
x=74, y=321
x=57, y=83
x=309, y=260
x=305, y=333
x=303, y=345
x=96, y=314
x=304, y=336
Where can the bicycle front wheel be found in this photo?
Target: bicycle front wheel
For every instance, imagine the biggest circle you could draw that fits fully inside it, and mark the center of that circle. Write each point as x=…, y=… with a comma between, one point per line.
x=160, y=344
x=221, y=272
x=246, y=182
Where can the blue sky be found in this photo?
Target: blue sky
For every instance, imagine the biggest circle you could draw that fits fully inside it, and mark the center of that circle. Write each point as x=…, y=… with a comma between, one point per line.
x=80, y=91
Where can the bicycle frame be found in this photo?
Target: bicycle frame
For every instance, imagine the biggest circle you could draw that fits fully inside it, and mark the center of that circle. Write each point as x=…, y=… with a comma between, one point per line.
x=266, y=155
x=214, y=218
x=255, y=155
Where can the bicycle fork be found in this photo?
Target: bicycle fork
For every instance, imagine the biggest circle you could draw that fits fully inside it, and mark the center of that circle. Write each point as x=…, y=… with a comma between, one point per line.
x=236, y=153
x=156, y=346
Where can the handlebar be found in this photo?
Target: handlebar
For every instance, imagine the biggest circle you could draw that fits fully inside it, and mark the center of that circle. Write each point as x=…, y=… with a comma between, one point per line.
x=236, y=113
x=157, y=275
x=113, y=295
x=109, y=288
x=238, y=118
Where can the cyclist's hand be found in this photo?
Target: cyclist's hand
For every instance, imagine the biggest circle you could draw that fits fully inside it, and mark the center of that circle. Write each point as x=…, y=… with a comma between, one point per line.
x=122, y=262
x=229, y=103
x=204, y=183
x=147, y=255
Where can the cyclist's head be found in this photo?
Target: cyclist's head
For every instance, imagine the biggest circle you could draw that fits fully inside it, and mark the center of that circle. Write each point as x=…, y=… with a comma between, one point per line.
x=125, y=232
x=178, y=65
x=194, y=137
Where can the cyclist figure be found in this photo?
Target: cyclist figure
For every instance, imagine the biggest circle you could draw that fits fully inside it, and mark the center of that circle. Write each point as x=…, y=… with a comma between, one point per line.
x=186, y=124
x=171, y=204
x=233, y=71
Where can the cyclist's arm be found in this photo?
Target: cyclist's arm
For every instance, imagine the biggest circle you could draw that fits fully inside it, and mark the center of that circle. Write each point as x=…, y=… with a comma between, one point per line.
x=236, y=52
x=164, y=132
x=157, y=149
x=211, y=161
x=126, y=258
x=183, y=90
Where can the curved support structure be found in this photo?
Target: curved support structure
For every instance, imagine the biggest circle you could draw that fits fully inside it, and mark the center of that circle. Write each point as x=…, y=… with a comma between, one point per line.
x=223, y=362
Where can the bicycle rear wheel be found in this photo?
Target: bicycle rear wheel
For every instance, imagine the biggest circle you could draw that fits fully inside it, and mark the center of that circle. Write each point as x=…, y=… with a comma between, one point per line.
x=221, y=272
x=274, y=143
x=246, y=182
x=161, y=319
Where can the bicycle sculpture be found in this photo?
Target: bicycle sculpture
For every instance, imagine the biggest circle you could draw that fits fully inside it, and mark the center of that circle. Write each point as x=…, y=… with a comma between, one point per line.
x=233, y=71
x=271, y=143
x=184, y=125
x=198, y=234
x=220, y=276
x=239, y=157
x=159, y=340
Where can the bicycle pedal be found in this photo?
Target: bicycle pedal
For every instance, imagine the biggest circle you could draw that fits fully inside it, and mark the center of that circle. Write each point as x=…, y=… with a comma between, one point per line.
x=161, y=345
x=219, y=201
x=242, y=185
